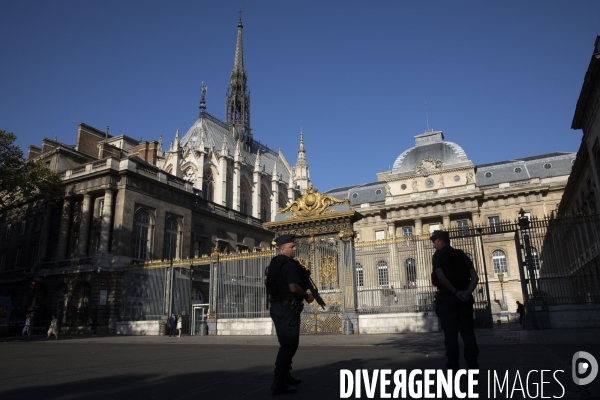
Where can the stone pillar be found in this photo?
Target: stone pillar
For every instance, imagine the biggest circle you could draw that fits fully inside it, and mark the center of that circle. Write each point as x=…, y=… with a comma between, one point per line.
x=274, y=197
x=84, y=228
x=63, y=233
x=475, y=218
x=418, y=226
x=106, y=221
x=391, y=230
x=256, y=195
x=446, y=223
x=221, y=182
x=200, y=177
x=236, y=186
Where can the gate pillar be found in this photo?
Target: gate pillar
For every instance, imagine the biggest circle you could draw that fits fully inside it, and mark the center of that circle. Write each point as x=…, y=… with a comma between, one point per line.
x=324, y=229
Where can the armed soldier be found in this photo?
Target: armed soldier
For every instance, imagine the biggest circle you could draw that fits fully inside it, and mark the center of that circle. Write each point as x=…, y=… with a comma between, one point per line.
x=284, y=288
x=455, y=278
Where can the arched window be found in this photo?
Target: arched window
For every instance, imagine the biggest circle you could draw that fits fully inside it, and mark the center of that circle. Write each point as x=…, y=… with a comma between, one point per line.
x=411, y=271
x=141, y=235
x=382, y=273
x=208, y=185
x=244, y=204
x=264, y=214
x=360, y=279
x=171, y=239
x=499, y=260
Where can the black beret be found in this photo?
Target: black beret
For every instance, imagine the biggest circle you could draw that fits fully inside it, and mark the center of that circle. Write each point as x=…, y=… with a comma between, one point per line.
x=283, y=239
x=440, y=234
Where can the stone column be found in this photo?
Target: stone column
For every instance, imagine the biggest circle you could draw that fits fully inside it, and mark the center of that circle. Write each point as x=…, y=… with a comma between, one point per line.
x=274, y=197
x=475, y=218
x=106, y=221
x=418, y=226
x=84, y=228
x=256, y=195
x=63, y=233
x=446, y=219
x=391, y=230
x=236, y=186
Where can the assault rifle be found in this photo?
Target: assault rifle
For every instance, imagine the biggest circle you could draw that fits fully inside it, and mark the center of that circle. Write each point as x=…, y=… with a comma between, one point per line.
x=310, y=285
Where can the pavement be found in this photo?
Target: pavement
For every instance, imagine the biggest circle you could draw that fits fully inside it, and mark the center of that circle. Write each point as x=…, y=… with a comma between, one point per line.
x=240, y=367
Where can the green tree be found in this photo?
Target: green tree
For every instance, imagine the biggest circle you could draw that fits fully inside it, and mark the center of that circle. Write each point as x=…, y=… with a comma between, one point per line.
x=22, y=181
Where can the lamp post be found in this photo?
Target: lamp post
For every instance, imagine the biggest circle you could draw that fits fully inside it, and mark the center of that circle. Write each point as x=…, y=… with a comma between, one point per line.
x=503, y=305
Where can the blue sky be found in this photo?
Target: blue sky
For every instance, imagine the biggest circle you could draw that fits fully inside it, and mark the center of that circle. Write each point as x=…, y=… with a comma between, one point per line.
x=500, y=78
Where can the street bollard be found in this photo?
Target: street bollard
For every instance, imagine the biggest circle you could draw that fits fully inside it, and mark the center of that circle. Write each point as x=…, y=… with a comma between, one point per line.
x=347, y=327
x=203, y=328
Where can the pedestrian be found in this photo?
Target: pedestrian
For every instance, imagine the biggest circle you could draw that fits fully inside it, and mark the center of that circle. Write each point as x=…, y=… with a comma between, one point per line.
x=455, y=278
x=172, y=323
x=53, y=330
x=395, y=297
x=179, y=324
x=25, y=332
x=521, y=311
x=286, y=296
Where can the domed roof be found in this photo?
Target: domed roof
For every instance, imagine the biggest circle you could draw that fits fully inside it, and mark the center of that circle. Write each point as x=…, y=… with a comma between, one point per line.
x=429, y=144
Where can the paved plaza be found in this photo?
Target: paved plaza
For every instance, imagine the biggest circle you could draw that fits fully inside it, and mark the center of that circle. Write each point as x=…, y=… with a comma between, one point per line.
x=240, y=367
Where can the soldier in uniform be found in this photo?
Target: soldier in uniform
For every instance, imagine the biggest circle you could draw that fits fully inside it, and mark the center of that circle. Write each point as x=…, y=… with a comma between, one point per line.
x=457, y=279
x=286, y=296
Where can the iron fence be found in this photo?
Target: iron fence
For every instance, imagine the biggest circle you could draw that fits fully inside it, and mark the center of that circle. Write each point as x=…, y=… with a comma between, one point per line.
x=561, y=259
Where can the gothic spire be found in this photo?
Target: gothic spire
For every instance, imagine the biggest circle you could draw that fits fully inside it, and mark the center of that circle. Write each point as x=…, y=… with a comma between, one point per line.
x=301, y=152
x=237, y=104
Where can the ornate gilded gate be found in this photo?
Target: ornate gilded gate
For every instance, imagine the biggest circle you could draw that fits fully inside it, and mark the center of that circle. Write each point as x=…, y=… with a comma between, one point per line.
x=324, y=237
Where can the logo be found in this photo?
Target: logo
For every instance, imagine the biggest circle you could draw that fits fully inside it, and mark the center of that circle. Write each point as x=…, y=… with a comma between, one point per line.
x=580, y=367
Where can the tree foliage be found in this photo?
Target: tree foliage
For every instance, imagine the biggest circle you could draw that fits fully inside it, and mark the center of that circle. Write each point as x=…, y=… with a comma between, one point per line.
x=22, y=181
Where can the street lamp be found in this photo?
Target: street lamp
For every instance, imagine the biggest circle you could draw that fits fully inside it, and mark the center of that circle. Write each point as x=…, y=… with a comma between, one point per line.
x=503, y=305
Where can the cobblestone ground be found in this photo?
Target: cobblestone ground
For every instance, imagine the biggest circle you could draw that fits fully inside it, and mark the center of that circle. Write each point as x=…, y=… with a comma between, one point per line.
x=221, y=367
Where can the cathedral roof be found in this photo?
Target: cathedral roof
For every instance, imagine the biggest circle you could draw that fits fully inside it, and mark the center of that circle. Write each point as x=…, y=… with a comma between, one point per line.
x=213, y=131
x=429, y=144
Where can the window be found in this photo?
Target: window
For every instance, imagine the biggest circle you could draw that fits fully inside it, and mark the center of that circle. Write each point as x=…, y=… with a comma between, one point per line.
x=407, y=231
x=378, y=191
x=379, y=235
x=208, y=185
x=171, y=236
x=411, y=272
x=141, y=231
x=547, y=166
x=101, y=208
x=244, y=204
x=463, y=227
x=7, y=233
x=263, y=211
x=23, y=227
x=403, y=186
x=499, y=261
x=360, y=279
x=488, y=174
x=494, y=223
x=518, y=170
x=382, y=273
x=18, y=258
x=34, y=252
x=536, y=261
x=354, y=195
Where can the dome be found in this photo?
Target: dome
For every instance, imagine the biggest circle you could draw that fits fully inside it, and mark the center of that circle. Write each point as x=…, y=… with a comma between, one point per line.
x=429, y=144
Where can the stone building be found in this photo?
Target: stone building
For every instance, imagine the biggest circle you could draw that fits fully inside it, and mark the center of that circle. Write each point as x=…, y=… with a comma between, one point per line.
x=434, y=185
x=581, y=194
x=129, y=201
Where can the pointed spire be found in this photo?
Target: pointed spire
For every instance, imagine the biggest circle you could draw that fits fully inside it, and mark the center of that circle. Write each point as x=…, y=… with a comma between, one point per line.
x=238, y=63
x=202, y=99
x=257, y=162
x=224, y=149
x=177, y=147
x=159, y=150
x=238, y=152
x=301, y=151
x=275, y=176
x=237, y=103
